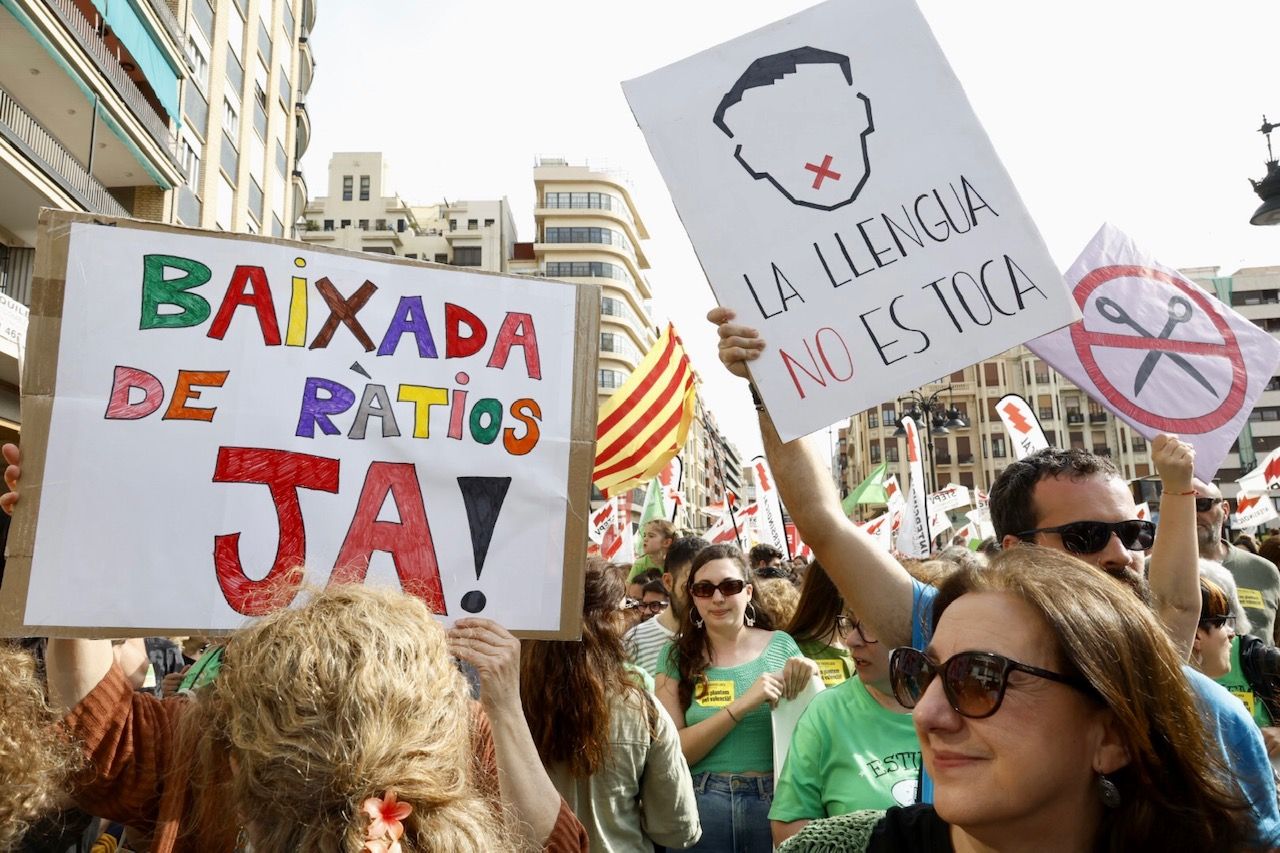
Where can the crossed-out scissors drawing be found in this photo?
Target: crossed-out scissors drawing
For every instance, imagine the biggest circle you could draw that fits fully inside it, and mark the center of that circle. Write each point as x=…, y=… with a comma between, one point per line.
x=1179, y=312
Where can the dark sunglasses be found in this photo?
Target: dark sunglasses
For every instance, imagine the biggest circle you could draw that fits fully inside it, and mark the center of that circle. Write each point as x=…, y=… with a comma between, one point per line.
x=1206, y=504
x=845, y=625
x=727, y=587
x=1218, y=621
x=654, y=607
x=1090, y=537
x=974, y=682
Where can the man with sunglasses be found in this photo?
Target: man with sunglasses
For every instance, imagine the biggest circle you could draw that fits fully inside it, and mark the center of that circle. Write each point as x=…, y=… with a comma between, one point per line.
x=1072, y=501
x=1257, y=578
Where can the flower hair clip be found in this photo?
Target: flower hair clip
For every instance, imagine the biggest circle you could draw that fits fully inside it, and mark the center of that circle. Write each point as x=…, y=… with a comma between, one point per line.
x=385, y=827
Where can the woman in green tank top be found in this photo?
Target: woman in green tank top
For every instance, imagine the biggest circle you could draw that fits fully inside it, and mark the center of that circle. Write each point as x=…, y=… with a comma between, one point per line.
x=718, y=680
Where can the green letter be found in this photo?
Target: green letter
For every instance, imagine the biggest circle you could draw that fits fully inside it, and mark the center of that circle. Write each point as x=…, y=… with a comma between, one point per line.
x=157, y=291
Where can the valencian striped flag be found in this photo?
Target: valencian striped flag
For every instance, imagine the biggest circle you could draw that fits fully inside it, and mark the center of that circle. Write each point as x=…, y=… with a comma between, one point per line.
x=646, y=421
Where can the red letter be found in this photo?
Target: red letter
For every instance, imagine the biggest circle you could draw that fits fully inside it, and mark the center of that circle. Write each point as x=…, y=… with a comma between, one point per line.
x=284, y=472
x=455, y=345
x=183, y=391
x=126, y=379
x=408, y=541
x=260, y=299
x=517, y=329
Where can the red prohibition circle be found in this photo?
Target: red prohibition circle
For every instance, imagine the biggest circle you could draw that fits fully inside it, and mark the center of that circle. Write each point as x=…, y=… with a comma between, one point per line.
x=1084, y=341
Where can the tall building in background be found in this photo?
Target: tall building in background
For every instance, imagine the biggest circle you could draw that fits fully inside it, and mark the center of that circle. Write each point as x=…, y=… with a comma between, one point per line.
x=363, y=213
x=245, y=121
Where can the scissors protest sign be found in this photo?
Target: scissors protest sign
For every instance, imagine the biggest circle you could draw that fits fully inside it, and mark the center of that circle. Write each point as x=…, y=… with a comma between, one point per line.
x=844, y=199
x=1158, y=351
x=205, y=413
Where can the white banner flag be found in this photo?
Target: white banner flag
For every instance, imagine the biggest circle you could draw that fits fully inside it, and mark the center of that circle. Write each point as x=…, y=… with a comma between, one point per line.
x=1253, y=510
x=601, y=520
x=1158, y=351
x=1266, y=477
x=769, y=522
x=953, y=496
x=1022, y=425
x=914, y=538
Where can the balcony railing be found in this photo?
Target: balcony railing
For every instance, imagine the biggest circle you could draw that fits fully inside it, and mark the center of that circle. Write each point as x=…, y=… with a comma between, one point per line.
x=1097, y=417
x=93, y=44
x=1075, y=418
x=40, y=145
x=966, y=458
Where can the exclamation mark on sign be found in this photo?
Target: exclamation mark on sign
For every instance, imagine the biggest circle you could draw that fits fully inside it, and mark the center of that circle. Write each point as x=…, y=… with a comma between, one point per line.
x=483, y=497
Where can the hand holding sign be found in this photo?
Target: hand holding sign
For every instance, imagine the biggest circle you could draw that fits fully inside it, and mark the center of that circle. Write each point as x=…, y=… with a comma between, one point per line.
x=738, y=344
x=1175, y=462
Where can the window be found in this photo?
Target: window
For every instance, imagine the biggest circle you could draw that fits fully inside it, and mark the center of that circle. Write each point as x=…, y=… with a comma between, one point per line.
x=991, y=373
x=198, y=61
x=442, y=258
x=466, y=256
x=347, y=182
x=488, y=222
x=1139, y=443
x=586, y=269
x=364, y=225
x=413, y=256
x=230, y=118
x=966, y=479
x=958, y=376
x=380, y=225
x=191, y=164
x=891, y=452
x=400, y=223
x=997, y=446
x=875, y=452
x=888, y=416
x=364, y=187
x=346, y=223
x=328, y=225
x=611, y=379
x=873, y=420
x=472, y=224
x=453, y=225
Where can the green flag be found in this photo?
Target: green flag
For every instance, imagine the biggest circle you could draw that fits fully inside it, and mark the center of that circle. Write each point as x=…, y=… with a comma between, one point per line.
x=869, y=491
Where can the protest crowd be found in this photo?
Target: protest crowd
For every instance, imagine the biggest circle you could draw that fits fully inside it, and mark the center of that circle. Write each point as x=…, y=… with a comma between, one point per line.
x=1073, y=690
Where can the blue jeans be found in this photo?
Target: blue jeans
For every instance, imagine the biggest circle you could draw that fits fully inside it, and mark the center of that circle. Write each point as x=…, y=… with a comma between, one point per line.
x=734, y=811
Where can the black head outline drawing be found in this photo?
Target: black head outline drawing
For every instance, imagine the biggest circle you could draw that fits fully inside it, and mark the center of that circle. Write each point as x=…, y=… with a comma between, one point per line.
x=768, y=70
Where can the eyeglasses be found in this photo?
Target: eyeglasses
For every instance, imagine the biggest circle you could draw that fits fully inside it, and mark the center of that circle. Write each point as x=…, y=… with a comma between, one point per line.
x=1218, y=621
x=1090, y=537
x=845, y=625
x=974, y=682
x=727, y=587
x=653, y=607
x=1206, y=504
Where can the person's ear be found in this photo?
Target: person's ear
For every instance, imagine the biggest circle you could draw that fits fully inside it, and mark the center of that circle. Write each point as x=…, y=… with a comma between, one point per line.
x=668, y=580
x=1009, y=541
x=1112, y=750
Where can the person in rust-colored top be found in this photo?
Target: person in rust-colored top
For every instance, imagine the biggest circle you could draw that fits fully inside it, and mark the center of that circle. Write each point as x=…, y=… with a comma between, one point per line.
x=340, y=725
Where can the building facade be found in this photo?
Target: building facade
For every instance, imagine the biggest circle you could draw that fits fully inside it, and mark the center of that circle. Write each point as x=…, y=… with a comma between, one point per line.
x=974, y=455
x=363, y=213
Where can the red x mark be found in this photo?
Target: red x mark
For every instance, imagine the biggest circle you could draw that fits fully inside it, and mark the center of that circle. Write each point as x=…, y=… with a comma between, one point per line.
x=822, y=172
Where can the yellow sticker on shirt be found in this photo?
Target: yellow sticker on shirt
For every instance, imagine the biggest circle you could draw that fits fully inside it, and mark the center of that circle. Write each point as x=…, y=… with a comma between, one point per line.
x=1245, y=696
x=832, y=672
x=1250, y=598
x=717, y=695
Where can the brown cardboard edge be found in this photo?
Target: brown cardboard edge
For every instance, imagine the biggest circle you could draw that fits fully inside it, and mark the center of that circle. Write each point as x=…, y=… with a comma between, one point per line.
x=40, y=370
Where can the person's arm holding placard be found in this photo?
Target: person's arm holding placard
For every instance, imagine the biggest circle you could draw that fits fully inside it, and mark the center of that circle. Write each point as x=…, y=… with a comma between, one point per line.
x=1174, y=573
x=873, y=584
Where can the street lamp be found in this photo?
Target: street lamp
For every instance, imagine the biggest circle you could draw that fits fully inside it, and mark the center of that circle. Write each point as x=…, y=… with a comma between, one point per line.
x=1268, y=189
x=928, y=409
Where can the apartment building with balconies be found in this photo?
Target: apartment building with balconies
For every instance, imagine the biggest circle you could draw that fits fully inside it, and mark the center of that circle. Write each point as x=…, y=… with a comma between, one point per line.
x=245, y=121
x=363, y=213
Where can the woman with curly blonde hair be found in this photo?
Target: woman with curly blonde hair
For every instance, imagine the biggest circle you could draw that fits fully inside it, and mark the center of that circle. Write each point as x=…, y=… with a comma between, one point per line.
x=36, y=757
x=341, y=726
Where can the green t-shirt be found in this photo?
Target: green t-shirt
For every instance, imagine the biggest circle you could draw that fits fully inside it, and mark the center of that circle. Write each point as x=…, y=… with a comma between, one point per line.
x=642, y=564
x=749, y=745
x=848, y=753
x=834, y=665
x=1235, y=682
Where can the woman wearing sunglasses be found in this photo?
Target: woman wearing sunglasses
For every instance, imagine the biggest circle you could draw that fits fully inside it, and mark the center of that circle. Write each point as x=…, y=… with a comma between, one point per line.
x=718, y=680
x=1242, y=663
x=1052, y=715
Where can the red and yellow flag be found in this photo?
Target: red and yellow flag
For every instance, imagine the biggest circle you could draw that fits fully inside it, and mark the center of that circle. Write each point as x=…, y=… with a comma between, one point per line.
x=646, y=421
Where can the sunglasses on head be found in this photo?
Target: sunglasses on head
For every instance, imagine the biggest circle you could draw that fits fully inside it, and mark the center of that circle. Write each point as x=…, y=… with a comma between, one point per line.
x=974, y=682
x=727, y=587
x=1218, y=621
x=1206, y=504
x=1090, y=537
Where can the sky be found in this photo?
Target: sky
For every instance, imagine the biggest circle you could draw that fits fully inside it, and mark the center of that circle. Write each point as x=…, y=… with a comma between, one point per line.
x=1143, y=114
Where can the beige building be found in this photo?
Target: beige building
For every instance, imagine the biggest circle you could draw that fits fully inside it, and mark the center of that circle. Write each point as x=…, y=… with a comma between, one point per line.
x=363, y=213
x=974, y=455
x=245, y=117
x=1255, y=293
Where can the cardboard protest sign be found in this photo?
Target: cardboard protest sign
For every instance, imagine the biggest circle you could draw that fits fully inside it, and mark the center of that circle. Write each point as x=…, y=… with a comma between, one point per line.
x=843, y=198
x=203, y=413
x=1158, y=351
